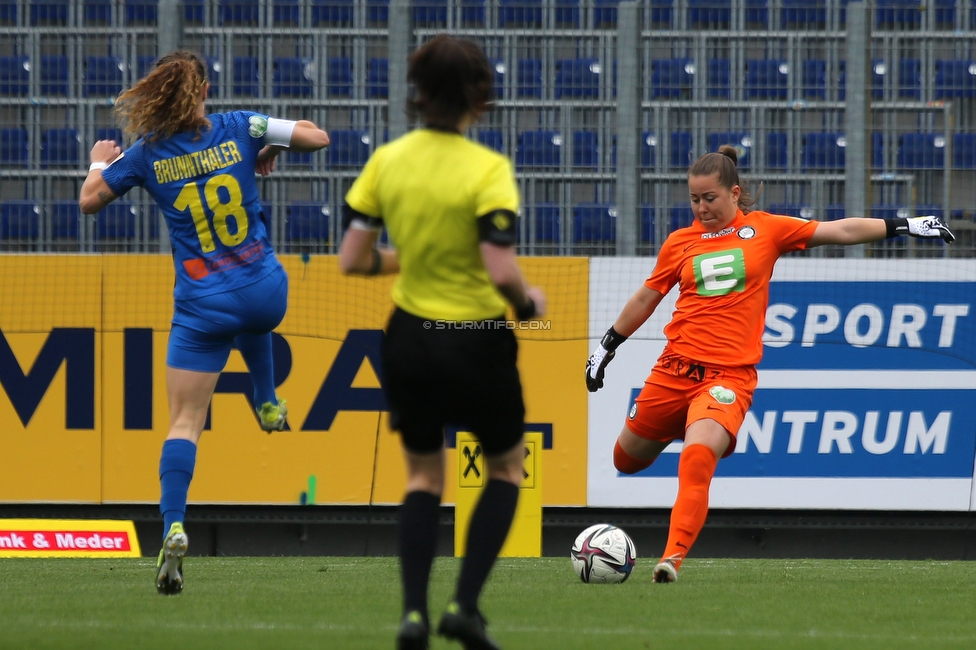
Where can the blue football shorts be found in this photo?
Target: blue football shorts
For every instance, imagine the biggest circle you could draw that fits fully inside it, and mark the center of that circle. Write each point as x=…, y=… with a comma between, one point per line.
x=203, y=329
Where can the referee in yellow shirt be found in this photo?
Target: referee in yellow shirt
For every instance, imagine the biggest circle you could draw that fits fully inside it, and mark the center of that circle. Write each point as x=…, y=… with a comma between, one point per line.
x=449, y=207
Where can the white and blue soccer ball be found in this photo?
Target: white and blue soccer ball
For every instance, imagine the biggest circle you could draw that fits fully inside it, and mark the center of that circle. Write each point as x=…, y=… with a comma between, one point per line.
x=603, y=554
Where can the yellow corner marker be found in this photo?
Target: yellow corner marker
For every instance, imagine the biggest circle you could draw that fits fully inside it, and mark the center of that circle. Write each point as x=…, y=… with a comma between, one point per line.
x=525, y=537
x=68, y=538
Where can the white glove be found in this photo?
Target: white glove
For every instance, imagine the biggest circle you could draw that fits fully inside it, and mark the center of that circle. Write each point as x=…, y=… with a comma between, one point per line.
x=929, y=227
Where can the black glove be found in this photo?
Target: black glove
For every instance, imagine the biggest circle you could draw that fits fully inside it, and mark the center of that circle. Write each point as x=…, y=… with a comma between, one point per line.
x=927, y=227
x=596, y=365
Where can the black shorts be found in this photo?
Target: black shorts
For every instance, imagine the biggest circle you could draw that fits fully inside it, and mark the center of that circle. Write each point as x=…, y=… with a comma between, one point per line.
x=436, y=376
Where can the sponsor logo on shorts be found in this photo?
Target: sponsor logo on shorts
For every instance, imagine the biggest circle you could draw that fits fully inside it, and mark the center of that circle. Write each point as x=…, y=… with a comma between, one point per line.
x=633, y=411
x=258, y=126
x=746, y=232
x=722, y=395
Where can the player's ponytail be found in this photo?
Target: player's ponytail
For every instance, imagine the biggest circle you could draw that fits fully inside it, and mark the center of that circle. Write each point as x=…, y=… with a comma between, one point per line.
x=165, y=102
x=725, y=164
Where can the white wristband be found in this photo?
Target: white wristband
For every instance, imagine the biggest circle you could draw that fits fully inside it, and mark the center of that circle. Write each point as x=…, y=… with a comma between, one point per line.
x=97, y=165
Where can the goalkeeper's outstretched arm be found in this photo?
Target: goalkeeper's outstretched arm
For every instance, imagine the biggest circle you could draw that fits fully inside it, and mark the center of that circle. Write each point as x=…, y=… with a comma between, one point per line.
x=634, y=314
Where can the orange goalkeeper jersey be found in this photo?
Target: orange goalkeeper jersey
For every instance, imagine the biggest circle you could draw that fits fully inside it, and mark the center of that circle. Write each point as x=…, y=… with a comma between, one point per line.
x=723, y=279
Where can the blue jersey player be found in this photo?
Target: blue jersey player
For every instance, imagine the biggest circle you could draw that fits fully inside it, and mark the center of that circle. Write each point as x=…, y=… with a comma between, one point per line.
x=231, y=290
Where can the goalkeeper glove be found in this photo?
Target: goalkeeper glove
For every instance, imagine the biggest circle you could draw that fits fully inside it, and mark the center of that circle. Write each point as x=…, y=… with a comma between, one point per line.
x=927, y=227
x=596, y=365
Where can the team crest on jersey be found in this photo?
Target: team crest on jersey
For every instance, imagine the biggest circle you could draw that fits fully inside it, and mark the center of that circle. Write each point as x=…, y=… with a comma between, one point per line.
x=258, y=126
x=722, y=395
x=633, y=411
x=746, y=232
x=720, y=233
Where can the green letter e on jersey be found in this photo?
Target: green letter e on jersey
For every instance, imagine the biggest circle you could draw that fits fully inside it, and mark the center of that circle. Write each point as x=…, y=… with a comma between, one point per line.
x=721, y=273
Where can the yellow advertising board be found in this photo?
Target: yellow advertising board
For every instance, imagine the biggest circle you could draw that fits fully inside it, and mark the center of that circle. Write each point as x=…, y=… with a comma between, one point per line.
x=98, y=438
x=68, y=538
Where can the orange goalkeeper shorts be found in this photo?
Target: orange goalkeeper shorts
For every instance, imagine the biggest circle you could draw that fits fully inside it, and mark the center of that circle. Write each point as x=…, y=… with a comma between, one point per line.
x=680, y=391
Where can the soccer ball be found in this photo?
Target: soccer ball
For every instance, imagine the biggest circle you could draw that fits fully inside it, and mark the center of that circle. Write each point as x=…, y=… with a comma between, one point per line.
x=603, y=553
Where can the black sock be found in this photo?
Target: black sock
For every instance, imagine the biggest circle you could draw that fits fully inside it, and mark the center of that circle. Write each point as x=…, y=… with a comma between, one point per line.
x=417, y=540
x=487, y=531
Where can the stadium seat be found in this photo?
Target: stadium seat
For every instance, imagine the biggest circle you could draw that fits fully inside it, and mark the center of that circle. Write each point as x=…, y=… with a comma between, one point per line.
x=567, y=13
x=520, y=13
x=822, y=150
x=193, y=11
x=472, y=12
x=648, y=155
x=800, y=210
x=945, y=14
x=286, y=12
x=647, y=227
x=672, y=78
x=834, y=211
x=48, y=12
x=378, y=78
x=65, y=219
x=292, y=77
x=586, y=149
x=605, y=14
x=98, y=11
x=238, y=12
x=13, y=147
x=103, y=76
x=578, y=78
x=964, y=151
x=114, y=134
x=145, y=64
x=921, y=151
x=214, y=68
x=538, y=148
x=499, y=69
x=491, y=138
x=60, y=148
x=14, y=76
x=378, y=11
x=757, y=13
x=20, y=220
x=116, y=221
x=682, y=216
x=955, y=79
x=719, y=78
x=777, y=154
x=898, y=14
x=340, y=76
x=681, y=151
x=766, y=79
x=8, y=12
x=333, y=12
x=803, y=14
x=294, y=159
x=709, y=14
x=246, y=76
x=813, y=79
x=594, y=223
x=877, y=150
x=546, y=217
x=661, y=12
x=348, y=148
x=308, y=222
x=741, y=142
x=529, y=78
x=430, y=13
x=141, y=11
x=909, y=84
x=888, y=211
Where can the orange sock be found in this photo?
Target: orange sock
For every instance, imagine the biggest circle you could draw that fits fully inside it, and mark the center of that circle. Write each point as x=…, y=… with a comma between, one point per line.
x=626, y=463
x=695, y=470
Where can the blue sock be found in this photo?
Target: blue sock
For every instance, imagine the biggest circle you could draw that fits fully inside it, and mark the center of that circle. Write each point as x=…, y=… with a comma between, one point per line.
x=256, y=351
x=175, y=473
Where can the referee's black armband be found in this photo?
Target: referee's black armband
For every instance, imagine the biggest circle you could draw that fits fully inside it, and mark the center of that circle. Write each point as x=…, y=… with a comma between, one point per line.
x=349, y=215
x=497, y=227
x=612, y=340
x=896, y=227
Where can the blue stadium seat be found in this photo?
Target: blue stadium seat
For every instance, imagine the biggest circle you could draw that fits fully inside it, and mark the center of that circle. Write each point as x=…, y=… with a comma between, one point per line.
x=921, y=151
x=682, y=216
x=594, y=223
x=348, y=148
x=648, y=156
x=546, y=217
x=378, y=11
x=114, y=134
x=246, y=76
x=945, y=14
x=964, y=151
x=568, y=13
x=741, y=142
x=529, y=78
x=822, y=150
x=103, y=76
x=888, y=211
x=286, y=12
x=65, y=219
x=430, y=13
x=586, y=149
x=757, y=13
x=605, y=14
x=60, y=148
x=340, y=76
x=928, y=208
x=98, y=11
x=20, y=220
x=879, y=70
x=578, y=78
x=472, y=12
x=14, y=76
x=877, y=150
x=709, y=14
x=238, y=12
x=333, y=12
x=13, y=147
x=145, y=63
x=538, y=148
x=491, y=138
x=48, y=12
x=766, y=79
x=308, y=221
x=672, y=78
x=834, y=211
x=378, y=78
x=115, y=221
x=193, y=11
x=955, y=79
x=909, y=79
x=681, y=153
x=213, y=75
x=777, y=155
x=800, y=210
x=813, y=79
x=141, y=11
x=499, y=69
x=661, y=12
x=520, y=13
x=8, y=12
x=647, y=227
x=293, y=159
x=898, y=14
x=803, y=14
x=719, y=78
x=292, y=77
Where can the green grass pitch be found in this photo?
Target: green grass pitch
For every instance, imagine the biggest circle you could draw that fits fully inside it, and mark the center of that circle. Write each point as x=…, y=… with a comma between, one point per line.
x=351, y=603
